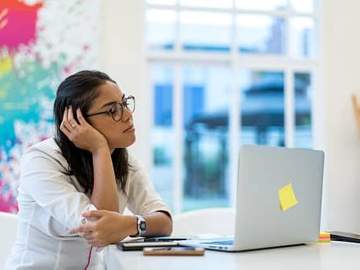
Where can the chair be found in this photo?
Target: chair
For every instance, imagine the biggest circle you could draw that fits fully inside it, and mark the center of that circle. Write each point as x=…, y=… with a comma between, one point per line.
x=219, y=221
x=8, y=230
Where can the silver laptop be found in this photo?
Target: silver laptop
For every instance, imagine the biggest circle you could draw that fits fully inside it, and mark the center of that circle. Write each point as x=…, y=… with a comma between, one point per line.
x=278, y=197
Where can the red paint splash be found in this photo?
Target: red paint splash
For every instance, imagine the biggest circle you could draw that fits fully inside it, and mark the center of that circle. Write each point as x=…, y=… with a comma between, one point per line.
x=17, y=23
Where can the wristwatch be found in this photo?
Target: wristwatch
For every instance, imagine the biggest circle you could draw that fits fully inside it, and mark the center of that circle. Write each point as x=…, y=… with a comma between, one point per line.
x=141, y=226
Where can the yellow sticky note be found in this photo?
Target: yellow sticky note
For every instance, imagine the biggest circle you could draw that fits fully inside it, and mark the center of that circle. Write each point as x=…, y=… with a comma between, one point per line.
x=287, y=197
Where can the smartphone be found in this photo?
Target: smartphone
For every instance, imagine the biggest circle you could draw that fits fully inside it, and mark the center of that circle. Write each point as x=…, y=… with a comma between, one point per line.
x=173, y=251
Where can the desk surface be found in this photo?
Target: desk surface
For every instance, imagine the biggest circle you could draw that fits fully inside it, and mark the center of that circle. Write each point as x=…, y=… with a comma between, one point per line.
x=323, y=256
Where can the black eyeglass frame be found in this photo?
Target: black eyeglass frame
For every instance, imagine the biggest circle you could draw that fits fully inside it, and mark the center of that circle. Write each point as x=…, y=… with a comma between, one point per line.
x=123, y=105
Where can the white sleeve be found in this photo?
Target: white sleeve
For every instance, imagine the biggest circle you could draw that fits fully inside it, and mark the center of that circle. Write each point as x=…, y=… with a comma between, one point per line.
x=44, y=180
x=142, y=197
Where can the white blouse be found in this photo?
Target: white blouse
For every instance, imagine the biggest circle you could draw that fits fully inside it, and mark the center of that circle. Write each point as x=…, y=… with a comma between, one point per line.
x=51, y=203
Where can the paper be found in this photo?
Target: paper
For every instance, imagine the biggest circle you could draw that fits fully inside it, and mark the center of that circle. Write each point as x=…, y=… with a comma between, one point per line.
x=287, y=197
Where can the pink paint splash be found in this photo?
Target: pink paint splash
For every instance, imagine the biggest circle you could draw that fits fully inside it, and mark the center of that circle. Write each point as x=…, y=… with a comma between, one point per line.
x=7, y=201
x=17, y=23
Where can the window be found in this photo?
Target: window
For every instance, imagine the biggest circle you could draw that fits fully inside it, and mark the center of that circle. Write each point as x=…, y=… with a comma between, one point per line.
x=163, y=132
x=225, y=73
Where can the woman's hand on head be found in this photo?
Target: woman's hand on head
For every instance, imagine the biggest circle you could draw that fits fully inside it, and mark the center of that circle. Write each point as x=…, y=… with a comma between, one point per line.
x=109, y=227
x=81, y=133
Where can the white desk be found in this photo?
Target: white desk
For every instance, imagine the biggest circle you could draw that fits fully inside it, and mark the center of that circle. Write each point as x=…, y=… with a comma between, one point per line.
x=323, y=256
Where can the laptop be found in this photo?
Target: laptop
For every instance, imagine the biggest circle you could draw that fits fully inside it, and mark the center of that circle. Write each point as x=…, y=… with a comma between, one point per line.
x=278, y=200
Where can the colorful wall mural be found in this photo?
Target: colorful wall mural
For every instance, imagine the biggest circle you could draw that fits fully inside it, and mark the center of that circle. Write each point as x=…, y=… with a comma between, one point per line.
x=41, y=42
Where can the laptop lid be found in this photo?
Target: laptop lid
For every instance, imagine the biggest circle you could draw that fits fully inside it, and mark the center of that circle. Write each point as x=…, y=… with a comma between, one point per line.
x=279, y=194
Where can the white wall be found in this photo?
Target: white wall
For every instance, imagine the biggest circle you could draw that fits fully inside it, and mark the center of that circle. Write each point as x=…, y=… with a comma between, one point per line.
x=122, y=57
x=340, y=78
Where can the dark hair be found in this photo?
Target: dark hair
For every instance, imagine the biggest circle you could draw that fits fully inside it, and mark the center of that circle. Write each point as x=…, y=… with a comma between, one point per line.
x=79, y=91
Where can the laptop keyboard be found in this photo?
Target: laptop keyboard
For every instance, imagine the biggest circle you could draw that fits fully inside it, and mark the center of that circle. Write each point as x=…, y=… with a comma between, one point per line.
x=226, y=242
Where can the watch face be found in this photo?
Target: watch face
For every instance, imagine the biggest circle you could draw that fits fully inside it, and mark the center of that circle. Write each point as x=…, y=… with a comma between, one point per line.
x=143, y=226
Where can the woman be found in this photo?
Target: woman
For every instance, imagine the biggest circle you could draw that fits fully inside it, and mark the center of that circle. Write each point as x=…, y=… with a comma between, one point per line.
x=85, y=166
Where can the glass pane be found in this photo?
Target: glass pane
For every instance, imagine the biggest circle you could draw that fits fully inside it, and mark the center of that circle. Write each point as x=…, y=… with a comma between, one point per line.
x=162, y=78
x=262, y=107
x=261, y=4
x=205, y=31
x=260, y=34
x=303, y=122
x=160, y=32
x=162, y=2
x=306, y=6
x=302, y=36
x=206, y=117
x=207, y=3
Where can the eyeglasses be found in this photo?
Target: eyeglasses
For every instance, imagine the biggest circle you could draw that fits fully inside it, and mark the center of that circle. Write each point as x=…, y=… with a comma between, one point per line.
x=117, y=109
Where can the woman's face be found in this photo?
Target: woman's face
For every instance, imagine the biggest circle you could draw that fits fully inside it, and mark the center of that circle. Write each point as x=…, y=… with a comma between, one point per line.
x=119, y=134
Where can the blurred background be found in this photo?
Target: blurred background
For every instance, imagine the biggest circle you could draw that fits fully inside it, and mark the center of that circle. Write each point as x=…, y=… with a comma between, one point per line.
x=208, y=76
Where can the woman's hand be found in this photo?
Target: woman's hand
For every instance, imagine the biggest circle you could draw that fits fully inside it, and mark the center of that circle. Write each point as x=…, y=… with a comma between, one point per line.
x=109, y=227
x=81, y=133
